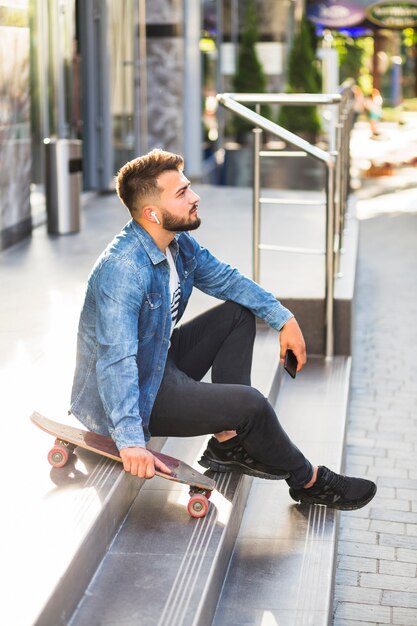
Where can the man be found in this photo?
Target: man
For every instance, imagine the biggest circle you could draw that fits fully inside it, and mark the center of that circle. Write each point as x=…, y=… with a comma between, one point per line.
x=138, y=374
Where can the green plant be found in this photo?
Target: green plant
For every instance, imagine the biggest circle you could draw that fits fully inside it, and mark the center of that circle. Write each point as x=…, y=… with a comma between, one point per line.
x=355, y=59
x=249, y=77
x=351, y=60
x=303, y=77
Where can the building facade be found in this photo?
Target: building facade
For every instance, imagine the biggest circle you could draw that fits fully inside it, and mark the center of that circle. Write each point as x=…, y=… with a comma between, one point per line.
x=123, y=76
x=15, y=140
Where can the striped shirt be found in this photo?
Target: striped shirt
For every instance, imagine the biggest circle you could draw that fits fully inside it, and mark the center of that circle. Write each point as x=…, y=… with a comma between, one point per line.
x=174, y=288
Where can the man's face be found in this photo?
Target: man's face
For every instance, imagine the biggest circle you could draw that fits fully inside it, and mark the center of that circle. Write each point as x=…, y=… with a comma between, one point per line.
x=178, y=203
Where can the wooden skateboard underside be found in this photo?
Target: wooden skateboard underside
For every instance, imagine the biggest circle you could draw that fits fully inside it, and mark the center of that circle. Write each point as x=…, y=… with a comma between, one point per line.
x=105, y=446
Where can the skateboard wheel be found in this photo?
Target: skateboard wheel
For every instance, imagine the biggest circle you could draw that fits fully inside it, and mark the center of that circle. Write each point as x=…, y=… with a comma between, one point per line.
x=198, y=506
x=58, y=455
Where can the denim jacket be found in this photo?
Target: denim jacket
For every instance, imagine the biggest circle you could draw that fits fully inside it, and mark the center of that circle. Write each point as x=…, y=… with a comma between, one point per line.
x=125, y=325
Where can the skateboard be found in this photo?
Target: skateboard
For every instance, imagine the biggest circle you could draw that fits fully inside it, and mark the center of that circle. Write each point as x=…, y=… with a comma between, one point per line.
x=68, y=438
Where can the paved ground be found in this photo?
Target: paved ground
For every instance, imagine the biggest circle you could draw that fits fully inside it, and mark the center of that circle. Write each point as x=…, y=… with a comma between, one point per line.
x=376, y=578
x=44, y=280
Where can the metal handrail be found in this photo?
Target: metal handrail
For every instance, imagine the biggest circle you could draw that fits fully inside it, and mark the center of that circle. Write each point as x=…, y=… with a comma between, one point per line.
x=335, y=162
x=257, y=120
x=294, y=99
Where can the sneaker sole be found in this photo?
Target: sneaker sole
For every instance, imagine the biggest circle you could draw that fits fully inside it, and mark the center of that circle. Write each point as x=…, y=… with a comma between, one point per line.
x=242, y=469
x=340, y=507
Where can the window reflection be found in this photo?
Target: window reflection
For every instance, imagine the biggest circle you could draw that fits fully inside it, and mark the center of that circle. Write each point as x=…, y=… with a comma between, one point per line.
x=15, y=156
x=121, y=42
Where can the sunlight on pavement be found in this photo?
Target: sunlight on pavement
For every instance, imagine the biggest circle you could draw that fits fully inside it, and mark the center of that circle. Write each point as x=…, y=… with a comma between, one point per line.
x=388, y=203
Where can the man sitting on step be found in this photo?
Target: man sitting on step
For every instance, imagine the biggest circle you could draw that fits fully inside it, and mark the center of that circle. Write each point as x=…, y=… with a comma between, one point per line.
x=138, y=373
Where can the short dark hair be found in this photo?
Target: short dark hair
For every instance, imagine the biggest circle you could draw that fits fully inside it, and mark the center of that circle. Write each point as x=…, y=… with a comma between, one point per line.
x=136, y=181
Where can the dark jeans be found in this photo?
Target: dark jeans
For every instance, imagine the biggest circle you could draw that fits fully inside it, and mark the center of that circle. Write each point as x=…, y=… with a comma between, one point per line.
x=222, y=339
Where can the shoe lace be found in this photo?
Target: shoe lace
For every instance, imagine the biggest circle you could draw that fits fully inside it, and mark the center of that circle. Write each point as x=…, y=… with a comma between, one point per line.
x=250, y=461
x=335, y=482
x=240, y=450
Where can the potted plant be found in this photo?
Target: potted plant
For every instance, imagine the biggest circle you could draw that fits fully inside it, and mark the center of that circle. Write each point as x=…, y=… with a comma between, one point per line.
x=303, y=77
x=249, y=76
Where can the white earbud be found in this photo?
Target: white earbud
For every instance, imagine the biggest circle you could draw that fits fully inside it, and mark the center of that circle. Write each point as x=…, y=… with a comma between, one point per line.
x=155, y=217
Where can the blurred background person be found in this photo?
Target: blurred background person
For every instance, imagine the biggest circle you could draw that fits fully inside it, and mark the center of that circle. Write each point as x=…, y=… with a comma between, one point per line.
x=373, y=106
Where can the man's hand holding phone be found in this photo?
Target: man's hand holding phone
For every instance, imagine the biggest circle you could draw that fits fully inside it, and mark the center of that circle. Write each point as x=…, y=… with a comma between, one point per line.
x=292, y=342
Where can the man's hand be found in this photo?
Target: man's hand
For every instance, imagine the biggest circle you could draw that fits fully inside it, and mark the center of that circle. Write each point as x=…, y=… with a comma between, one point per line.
x=292, y=337
x=142, y=463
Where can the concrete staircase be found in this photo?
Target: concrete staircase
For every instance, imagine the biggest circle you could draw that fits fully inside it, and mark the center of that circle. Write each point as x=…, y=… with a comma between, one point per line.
x=93, y=497
x=124, y=552
x=249, y=555
x=283, y=564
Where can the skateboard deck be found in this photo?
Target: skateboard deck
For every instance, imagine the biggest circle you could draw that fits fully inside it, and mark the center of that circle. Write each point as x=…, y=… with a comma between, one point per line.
x=68, y=438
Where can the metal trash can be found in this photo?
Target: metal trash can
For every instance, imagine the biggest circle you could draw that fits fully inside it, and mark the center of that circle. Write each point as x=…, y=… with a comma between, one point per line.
x=63, y=161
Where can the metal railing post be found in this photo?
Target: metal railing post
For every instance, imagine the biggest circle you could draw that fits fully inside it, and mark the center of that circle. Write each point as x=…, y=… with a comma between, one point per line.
x=339, y=204
x=330, y=236
x=337, y=178
x=344, y=174
x=256, y=206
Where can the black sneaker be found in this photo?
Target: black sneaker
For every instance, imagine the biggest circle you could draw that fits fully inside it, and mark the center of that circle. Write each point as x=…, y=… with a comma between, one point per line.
x=230, y=456
x=336, y=491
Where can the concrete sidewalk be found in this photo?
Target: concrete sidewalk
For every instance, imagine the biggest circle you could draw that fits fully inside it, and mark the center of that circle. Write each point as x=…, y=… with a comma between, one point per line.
x=376, y=576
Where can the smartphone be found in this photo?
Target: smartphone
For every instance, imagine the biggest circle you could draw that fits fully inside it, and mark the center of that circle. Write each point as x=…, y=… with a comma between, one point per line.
x=290, y=363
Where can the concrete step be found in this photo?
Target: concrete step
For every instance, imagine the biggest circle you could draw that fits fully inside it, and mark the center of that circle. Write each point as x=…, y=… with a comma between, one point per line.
x=283, y=566
x=165, y=569
x=84, y=504
x=310, y=309
x=297, y=279
x=67, y=534
x=50, y=514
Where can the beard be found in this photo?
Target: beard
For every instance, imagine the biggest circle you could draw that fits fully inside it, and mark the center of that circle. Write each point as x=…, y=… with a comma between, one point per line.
x=177, y=225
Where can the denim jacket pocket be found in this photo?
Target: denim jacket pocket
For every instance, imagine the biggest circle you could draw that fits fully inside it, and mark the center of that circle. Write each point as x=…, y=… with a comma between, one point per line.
x=150, y=316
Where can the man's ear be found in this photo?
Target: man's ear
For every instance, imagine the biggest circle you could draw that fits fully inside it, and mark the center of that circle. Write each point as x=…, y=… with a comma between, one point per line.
x=150, y=213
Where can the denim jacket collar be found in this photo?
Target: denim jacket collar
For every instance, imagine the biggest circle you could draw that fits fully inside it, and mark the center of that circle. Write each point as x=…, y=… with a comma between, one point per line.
x=152, y=250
